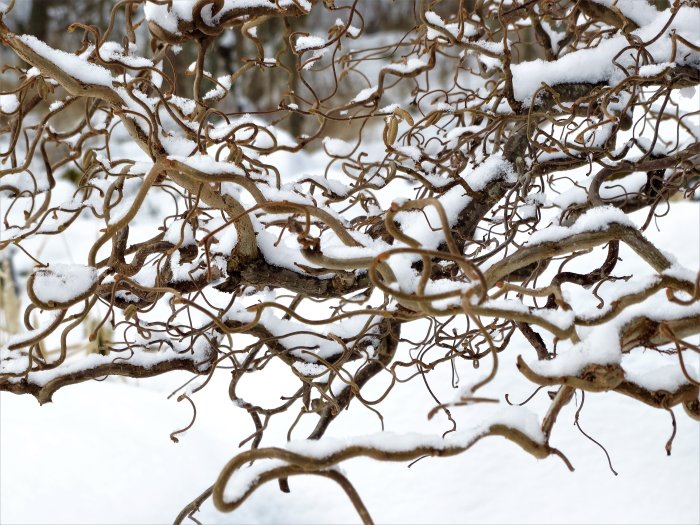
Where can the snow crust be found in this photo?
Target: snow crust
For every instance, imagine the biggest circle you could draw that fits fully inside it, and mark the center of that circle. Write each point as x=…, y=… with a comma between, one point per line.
x=309, y=42
x=515, y=417
x=600, y=347
x=61, y=283
x=75, y=66
x=595, y=65
x=593, y=220
x=207, y=164
x=411, y=65
x=8, y=103
x=640, y=12
x=337, y=147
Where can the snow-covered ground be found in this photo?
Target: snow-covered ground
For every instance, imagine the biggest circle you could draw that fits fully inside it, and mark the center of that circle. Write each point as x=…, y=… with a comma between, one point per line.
x=101, y=454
